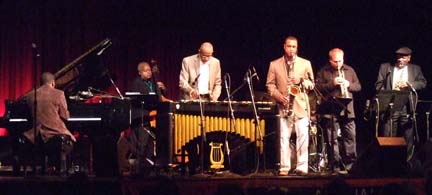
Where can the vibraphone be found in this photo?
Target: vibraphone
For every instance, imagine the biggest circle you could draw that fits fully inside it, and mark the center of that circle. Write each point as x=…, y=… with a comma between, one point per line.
x=179, y=122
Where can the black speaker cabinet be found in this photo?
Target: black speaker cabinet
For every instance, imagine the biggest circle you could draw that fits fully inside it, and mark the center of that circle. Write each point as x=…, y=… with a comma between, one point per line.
x=164, y=143
x=384, y=157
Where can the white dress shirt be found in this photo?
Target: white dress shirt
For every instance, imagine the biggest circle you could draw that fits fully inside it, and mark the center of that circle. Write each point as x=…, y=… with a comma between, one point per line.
x=204, y=79
x=399, y=74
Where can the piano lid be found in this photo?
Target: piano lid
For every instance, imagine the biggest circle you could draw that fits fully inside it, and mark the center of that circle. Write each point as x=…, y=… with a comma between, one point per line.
x=85, y=71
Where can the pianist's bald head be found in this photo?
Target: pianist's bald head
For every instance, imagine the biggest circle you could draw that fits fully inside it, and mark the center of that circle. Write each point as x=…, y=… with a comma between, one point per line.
x=48, y=78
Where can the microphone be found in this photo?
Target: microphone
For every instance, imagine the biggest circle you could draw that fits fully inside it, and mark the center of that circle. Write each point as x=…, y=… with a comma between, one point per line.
x=35, y=50
x=196, y=79
x=254, y=74
x=388, y=72
x=89, y=91
x=366, y=110
x=381, y=82
x=107, y=43
x=247, y=75
x=226, y=82
x=94, y=89
x=411, y=87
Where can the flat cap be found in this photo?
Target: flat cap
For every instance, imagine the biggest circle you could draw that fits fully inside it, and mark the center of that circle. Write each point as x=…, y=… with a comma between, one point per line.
x=404, y=51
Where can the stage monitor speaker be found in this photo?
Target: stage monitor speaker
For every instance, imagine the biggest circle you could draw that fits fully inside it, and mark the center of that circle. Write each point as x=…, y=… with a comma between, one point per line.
x=384, y=157
x=164, y=139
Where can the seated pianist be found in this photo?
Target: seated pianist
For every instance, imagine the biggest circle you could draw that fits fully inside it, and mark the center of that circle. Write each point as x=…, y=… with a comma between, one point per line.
x=137, y=142
x=54, y=138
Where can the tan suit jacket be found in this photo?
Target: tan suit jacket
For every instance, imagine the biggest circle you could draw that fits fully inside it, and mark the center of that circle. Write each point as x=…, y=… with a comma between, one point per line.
x=190, y=71
x=277, y=83
x=51, y=111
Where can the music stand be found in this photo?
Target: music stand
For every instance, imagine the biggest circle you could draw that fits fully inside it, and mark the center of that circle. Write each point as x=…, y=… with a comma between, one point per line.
x=341, y=103
x=145, y=102
x=149, y=101
x=396, y=99
x=389, y=101
x=338, y=105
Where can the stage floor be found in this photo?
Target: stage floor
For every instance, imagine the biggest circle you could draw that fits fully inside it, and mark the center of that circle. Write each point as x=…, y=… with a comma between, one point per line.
x=225, y=183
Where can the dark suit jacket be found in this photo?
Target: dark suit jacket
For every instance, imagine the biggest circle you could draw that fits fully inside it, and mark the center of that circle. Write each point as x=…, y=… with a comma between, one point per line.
x=324, y=83
x=51, y=111
x=144, y=87
x=385, y=77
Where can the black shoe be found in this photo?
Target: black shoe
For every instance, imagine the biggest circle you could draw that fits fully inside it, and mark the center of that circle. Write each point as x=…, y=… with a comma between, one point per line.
x=339, y=171
x=299, y=172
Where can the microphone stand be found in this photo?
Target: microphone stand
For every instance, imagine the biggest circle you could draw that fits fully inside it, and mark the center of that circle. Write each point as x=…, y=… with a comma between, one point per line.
x=322, y=155
x=203, y=133
x=35, y=81
x=115, y=86
x=310, y=123
x=428, y=123
x=414, y=118
x=233, y=122
x=257, y=125
x=239, y=87
x=235, y=91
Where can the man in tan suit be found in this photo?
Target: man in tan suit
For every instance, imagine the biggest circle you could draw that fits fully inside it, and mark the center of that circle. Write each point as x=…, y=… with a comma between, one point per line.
x=288, y=79
x=201, y=75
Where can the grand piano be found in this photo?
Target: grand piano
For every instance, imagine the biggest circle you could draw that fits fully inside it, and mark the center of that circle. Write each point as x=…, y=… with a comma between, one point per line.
x=108, y=115
x=96, y=115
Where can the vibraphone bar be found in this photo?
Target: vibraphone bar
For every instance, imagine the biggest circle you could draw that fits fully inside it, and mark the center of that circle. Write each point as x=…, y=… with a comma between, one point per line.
x=179, y=122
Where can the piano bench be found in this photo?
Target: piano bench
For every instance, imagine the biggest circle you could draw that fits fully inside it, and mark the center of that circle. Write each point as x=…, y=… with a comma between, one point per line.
x=54, y=153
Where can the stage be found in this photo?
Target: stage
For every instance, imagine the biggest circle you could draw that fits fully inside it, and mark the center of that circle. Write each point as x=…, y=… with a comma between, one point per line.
x=224, y=183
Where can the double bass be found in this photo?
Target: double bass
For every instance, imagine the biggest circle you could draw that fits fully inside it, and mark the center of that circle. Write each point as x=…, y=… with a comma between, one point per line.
x=161, y=96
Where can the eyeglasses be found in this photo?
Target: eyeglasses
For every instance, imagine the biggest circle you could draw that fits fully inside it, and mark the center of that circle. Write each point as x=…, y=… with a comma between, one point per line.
x=145, y=70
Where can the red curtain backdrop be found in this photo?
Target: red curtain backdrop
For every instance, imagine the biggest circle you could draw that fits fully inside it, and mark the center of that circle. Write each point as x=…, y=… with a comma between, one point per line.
x=243, y=33
x=62, y=31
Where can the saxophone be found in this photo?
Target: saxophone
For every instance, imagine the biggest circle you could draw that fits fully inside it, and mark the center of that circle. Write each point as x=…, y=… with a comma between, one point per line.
x=293, y=90
x=343, y=87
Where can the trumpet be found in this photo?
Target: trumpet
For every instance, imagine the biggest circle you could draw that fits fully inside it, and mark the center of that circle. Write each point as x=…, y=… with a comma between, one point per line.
x=343, y=87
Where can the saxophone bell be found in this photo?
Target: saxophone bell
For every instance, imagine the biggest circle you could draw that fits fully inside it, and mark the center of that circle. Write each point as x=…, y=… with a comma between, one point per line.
x=293, y=89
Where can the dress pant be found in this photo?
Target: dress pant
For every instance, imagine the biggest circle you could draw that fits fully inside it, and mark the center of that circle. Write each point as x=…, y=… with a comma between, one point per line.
x=301, y=129
x=348, y=134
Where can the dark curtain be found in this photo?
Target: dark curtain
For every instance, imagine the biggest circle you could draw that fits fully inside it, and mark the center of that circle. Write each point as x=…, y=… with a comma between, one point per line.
x=244, y=33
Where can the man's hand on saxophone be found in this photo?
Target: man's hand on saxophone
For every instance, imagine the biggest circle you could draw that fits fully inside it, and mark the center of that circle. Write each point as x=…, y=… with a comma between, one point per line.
x=285, y=100
x=307, y=84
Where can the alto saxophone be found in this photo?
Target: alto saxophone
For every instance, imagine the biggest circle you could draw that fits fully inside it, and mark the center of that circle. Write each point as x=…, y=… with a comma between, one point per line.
x=293, y=90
